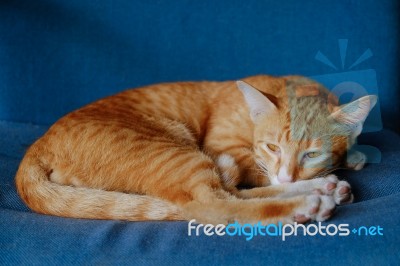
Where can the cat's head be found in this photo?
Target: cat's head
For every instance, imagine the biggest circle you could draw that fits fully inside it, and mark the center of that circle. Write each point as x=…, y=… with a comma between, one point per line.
x=305, y=135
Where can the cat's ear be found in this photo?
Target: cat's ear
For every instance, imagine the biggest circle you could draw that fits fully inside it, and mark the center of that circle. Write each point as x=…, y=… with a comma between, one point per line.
x=258, y=103
x=355, y=113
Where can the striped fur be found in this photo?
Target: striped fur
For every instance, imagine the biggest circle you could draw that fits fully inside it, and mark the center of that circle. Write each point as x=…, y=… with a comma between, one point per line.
x=178, y=151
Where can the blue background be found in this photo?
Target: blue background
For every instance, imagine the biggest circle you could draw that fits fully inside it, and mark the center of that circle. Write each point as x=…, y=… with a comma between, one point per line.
x=57, y=55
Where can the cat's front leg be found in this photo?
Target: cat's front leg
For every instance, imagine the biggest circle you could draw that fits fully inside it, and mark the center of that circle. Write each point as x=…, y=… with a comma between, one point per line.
x=329, y=185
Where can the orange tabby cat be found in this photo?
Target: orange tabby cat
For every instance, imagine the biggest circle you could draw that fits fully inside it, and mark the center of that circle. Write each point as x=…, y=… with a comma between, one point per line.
x=182, y=151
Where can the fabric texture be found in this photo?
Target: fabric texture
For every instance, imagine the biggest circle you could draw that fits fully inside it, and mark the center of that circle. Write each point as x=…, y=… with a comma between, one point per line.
x=56, y=56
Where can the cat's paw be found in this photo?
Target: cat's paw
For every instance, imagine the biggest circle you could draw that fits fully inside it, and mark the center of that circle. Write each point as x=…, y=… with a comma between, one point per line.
x=343, y=193
x=315, y=208
x=356, y=160
x=325, y=185
x=332, y=186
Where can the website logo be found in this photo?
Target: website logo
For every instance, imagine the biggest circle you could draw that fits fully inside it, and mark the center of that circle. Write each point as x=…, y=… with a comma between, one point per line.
x=349, y=83
x=249, y=231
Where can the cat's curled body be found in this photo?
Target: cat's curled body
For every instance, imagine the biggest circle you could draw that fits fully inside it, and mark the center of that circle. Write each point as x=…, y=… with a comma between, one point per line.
x=179, y=151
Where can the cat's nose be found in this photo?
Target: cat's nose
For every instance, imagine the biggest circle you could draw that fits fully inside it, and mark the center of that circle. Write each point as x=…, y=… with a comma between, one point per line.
x=284, y=176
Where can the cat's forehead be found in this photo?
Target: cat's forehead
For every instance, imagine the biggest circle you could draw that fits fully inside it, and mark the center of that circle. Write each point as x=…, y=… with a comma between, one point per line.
x=308, y=108
x=299, y=132
x=304, y=113
x=305, y=126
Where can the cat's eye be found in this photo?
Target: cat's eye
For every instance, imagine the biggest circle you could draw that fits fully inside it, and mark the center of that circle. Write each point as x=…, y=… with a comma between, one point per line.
x=313, y=154
x=273, y=147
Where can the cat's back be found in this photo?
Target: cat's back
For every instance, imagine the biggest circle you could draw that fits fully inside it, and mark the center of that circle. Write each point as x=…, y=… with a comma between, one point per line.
x=148, y=109
x=176, y=100
x=188, y=103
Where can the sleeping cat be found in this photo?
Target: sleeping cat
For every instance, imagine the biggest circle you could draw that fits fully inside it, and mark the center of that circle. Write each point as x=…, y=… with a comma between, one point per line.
x=181, y=151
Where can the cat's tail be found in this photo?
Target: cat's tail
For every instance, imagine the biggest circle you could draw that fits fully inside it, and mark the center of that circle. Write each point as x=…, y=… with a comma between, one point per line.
x=47, y=197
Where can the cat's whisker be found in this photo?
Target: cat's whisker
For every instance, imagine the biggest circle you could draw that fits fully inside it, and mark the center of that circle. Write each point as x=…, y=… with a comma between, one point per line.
x=263, y=167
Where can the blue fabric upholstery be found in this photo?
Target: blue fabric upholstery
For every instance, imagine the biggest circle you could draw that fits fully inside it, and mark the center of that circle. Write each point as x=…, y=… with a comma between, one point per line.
x=58, y=55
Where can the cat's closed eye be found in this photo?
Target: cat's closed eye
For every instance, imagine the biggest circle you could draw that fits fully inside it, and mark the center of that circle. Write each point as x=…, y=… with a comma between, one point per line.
x=272, y=147
x=313, y=154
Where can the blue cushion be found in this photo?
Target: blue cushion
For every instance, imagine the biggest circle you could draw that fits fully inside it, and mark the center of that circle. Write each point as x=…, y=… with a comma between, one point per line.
x=30, y=238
